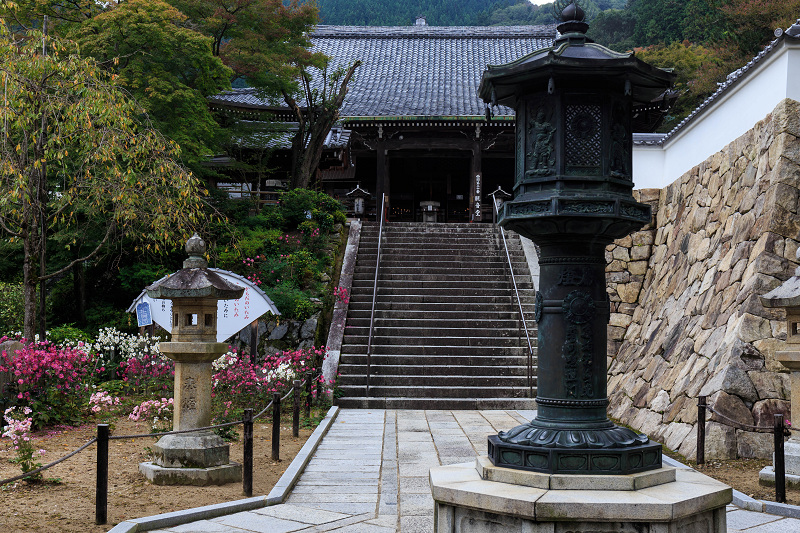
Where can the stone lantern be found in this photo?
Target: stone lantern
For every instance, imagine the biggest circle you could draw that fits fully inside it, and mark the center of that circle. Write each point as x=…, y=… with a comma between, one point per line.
x=787, y=296
x=201, y=457
x=572, y=197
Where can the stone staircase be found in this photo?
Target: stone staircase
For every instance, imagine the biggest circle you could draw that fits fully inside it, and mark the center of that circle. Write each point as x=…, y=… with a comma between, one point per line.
x=448, y=333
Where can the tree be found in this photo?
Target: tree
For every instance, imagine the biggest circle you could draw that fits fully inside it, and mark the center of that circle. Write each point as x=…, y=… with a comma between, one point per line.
x=167, y=66
x=78, y=167
x=315, y=120
x=750, y=23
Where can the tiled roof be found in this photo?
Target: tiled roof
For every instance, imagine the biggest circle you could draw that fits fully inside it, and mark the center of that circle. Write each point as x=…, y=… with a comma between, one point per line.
x=416, y=71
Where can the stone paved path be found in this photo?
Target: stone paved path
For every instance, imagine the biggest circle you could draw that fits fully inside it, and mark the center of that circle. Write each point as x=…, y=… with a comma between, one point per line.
x=370, y=475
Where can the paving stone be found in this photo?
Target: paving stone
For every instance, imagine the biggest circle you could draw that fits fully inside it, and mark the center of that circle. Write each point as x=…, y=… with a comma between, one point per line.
x=416, y=504
x=745, y=519
x=202, y=526
x=409, y=436
x=300, y=514
x=384, y=520
x=415, y=485
x=328, y=489
x=366, y=528
x=347, y=508
x=783, y=525
x=342, y=496
x=258, y=523
x=416, y=524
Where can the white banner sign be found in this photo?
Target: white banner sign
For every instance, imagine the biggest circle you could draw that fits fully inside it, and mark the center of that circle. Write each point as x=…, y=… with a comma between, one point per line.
x=232, y=315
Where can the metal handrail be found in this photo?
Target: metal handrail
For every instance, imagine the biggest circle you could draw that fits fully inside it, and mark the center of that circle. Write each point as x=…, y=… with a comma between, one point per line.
x=519, y=300
x=375, y=291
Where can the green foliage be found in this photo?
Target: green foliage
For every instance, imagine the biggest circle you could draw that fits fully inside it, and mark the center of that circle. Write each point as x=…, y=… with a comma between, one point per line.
x=105, y=315
x=404, y=13
x=135, y=277
x=12, y=312
x=67, y=334
x=299, y=205
x=614, y=28
x=292, y=302
x=166, y=65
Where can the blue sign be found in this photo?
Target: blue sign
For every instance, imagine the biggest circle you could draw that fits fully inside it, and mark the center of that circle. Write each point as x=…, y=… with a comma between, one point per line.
x=143, y=315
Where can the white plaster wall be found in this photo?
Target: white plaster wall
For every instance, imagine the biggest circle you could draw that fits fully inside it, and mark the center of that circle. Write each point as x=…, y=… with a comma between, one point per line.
x=776, y=77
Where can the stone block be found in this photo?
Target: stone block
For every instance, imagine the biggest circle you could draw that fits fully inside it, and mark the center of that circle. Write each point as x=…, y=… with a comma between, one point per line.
x=621, y=254
x=218, y=475
x=720, y=441
x=637, y=267
x=771, y=384
x=732, y=381
x=751, y=445
x=751, y=328
x=764, y=411
x=309, y=328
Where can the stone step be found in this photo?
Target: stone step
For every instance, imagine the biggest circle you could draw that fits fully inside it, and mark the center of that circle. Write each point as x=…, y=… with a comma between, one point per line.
x=385, y=309
x=414, y=313
x=435, y=341
x=473, y=278
x=445, y=285
x=356, y=324
x=518, y=390
x=358, y=371
x=386, y=300
x=378, y=377
x=429, y=330
x=470, y=355
x=436, y=403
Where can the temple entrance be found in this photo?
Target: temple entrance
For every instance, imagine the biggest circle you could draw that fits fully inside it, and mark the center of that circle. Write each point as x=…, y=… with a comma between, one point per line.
x=429, y=188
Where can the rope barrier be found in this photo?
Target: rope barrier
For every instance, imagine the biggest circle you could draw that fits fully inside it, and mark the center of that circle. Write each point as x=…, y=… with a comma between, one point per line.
x=745, y=427
x=49, y=465
x=139, y=436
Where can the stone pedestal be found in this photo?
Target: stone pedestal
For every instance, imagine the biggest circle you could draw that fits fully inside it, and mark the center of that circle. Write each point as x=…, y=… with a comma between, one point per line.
x=201, y=457
x=480, y=497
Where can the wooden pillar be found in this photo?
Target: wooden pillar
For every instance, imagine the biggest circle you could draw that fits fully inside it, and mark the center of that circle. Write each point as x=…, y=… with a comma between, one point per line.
x=382, y=178
x=476, y=184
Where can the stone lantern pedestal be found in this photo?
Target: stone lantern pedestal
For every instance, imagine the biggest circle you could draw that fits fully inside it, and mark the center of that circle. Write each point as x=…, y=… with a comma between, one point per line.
x=200, y=457
x=787, y=296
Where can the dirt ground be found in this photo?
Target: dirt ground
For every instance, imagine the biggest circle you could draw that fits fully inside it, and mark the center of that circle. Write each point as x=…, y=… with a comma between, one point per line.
x=68, y=505
x=742, y=475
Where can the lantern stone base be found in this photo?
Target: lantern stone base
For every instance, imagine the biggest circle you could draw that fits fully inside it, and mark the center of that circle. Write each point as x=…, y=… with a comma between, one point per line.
x=791, y=457
x=469, y=498
x=200, y=458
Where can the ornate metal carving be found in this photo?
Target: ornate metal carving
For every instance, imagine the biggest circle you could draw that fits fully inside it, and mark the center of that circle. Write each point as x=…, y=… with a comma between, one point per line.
x=539, y=305
x=583, y=139
x=571, y=403
x=619, y=147
x=587, y=207
x=540, y=154
x=581, y=276
x=635, y=211
x=531, y=208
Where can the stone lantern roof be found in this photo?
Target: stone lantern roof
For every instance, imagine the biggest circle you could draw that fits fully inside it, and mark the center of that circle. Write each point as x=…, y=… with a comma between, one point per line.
x=195, y=280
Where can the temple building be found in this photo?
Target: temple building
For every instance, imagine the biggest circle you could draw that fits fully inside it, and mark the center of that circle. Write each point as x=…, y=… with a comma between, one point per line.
x=412, y=126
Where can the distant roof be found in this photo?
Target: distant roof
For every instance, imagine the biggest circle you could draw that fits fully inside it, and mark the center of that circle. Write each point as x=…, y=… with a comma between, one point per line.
x=415, y=71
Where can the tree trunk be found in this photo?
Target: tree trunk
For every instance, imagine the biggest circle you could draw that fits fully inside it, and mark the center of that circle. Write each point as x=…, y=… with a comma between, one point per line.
x=79, y=292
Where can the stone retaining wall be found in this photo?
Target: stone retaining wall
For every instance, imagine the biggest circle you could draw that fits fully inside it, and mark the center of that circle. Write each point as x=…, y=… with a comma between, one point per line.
x=691, y=323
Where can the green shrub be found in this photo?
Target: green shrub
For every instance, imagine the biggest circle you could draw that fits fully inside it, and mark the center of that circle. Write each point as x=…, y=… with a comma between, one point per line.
x=299, y=205
x=67, y=334
x=272, y=217
x=12, y=308
x=290, y=301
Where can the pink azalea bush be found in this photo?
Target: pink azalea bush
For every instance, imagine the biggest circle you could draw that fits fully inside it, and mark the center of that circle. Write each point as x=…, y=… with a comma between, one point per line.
x=51, y=380
x=18, y=429
x=157, y=412
x=101, y=400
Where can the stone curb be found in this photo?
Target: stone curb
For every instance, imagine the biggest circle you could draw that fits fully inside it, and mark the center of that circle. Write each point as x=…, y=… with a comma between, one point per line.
x=287, y=481
x=750, y=504
x=277, y=495
x=330, y=366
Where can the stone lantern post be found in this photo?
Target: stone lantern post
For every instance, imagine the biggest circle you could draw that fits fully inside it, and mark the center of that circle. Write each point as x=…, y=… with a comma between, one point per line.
x=201, y=457
x=787, y=296
x=572, y=197
x=571, y=469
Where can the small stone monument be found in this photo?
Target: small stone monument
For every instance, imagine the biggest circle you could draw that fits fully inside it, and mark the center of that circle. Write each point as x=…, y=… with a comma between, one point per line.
x=787, y=296
x=201, y=457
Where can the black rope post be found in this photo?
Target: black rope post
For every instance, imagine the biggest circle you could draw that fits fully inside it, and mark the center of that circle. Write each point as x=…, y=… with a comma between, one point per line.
x=296, y=408
x=101, y=493
x=276, y=426
x=308, y=395
x=701, y=430
x=780, y=463
x=247, y=474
